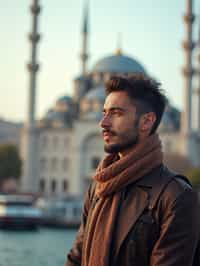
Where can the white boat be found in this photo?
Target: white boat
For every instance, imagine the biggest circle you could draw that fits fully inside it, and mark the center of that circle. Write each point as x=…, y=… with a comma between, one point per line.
x=19, y=211
x=63, y=213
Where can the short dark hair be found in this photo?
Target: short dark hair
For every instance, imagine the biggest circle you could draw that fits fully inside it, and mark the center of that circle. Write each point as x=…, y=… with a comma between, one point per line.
x=144, y=91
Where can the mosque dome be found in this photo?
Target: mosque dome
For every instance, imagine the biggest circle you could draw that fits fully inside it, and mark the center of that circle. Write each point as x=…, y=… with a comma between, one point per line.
x=64, y=99
x=92, y=103
x=171, y=120
x=61, y=114
x=118, y=63
x=63, y=104
x=97, y=94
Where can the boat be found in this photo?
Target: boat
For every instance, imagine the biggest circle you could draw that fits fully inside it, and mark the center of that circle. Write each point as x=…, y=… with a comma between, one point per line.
x=19, y=211
x=61, y=213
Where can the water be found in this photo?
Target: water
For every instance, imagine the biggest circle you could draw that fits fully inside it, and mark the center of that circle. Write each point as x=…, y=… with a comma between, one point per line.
x=45, y=247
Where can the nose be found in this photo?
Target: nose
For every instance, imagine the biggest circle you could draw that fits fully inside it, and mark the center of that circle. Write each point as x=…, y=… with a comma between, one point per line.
x=105, y=122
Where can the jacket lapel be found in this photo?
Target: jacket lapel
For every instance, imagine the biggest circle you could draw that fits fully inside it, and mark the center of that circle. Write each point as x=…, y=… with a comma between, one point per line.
x=130, y=210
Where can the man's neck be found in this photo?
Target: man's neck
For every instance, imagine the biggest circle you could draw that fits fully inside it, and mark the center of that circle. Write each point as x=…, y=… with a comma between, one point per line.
x=128, y=150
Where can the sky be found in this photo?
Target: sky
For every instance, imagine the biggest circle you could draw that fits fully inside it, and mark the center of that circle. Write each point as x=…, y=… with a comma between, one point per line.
x=151, y=32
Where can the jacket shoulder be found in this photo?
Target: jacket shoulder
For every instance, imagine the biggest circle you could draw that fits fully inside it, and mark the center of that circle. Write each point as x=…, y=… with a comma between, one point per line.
x=177, y=185
x=177, y=190
x=167, y=185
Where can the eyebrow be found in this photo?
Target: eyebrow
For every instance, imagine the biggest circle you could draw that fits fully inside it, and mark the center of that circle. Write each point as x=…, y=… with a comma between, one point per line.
x=115, y=108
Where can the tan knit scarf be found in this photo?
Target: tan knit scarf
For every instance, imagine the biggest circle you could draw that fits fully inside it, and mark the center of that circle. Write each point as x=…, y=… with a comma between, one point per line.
x=112, y=175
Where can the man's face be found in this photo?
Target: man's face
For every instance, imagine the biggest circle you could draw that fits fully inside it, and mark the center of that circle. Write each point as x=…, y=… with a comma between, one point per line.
x=119, y=123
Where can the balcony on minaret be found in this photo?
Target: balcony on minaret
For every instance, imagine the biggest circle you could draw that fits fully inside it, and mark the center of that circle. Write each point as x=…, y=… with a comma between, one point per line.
x=189, y=18
x=33, y=67
x=84, y=56
x=34, y=37
x=35, y=8
x=188, y=45
x=188, y=72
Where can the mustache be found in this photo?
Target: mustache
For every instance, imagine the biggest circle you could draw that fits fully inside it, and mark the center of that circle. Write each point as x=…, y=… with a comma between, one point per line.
x=109, y=131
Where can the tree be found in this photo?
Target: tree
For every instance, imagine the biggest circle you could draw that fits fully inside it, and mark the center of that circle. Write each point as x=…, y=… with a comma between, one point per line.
x=194, y=176
x=10, y=162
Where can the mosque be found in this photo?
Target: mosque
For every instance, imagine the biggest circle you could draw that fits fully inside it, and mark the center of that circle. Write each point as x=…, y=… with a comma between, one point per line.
x=63, y=149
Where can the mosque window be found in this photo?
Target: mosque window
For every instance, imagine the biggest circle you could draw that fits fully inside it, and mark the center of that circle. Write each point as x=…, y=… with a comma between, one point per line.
x=54, y=163
x=53, y=185
x=42, y=185
x=65, y=185
x=65, y=164
x=95, y=162
x=65, y=142
x=55, y=142
x=44, y=142
x=43, y=164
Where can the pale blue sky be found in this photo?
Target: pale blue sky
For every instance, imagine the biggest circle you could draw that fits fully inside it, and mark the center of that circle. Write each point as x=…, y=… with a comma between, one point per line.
x=152, y=32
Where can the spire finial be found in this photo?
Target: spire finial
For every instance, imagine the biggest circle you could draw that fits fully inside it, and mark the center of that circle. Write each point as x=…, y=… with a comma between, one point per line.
x=85, y=17
x=119, y=44
x=84, y=51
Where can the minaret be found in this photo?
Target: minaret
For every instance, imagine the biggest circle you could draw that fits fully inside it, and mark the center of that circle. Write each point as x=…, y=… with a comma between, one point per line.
x=84, y=52
x=188, y=71
x=198, y=88
x=30, y=171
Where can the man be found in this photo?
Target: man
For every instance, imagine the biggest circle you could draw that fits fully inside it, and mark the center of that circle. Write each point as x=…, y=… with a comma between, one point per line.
x=136, y=212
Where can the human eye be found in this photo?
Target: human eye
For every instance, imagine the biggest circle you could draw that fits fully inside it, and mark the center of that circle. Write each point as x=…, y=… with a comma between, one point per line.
x=116, y=112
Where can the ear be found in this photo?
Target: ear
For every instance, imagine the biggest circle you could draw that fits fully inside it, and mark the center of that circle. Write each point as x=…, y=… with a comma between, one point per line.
x=147, y=121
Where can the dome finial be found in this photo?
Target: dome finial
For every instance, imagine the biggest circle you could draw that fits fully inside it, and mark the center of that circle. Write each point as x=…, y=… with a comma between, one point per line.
x=84, y=52
x=119, y=44
x=85, y=17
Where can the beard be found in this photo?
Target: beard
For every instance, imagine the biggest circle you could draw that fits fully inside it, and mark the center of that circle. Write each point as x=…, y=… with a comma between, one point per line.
x=120, y=147
x=128, y=140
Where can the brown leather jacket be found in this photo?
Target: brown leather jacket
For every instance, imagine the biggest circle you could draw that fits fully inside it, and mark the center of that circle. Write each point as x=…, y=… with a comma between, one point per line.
x=158, y=223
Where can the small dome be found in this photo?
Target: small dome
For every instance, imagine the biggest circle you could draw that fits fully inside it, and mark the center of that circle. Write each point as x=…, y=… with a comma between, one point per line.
x=80, y=78
x=118, y=64
x=171, y=119
x=96, y=116
x=92, y=104
x=65, y=98
x=53, y=115
x=97, y=93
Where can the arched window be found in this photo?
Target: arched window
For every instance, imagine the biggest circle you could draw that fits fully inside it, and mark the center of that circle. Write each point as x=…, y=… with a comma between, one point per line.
x=65, y=164
x=42, y=185
x=43, y=164
x=65, y=142
x=55, y=142
x=44, y=142
x=54, y=164
x=53, y=185
x=65, y=185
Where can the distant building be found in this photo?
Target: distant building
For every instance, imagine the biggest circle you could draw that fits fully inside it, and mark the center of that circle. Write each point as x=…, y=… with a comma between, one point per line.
x=69, y=143
x=10, y=132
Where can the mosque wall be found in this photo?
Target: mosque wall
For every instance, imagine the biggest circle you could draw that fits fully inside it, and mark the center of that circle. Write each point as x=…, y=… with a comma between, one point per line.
x=54, y=158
